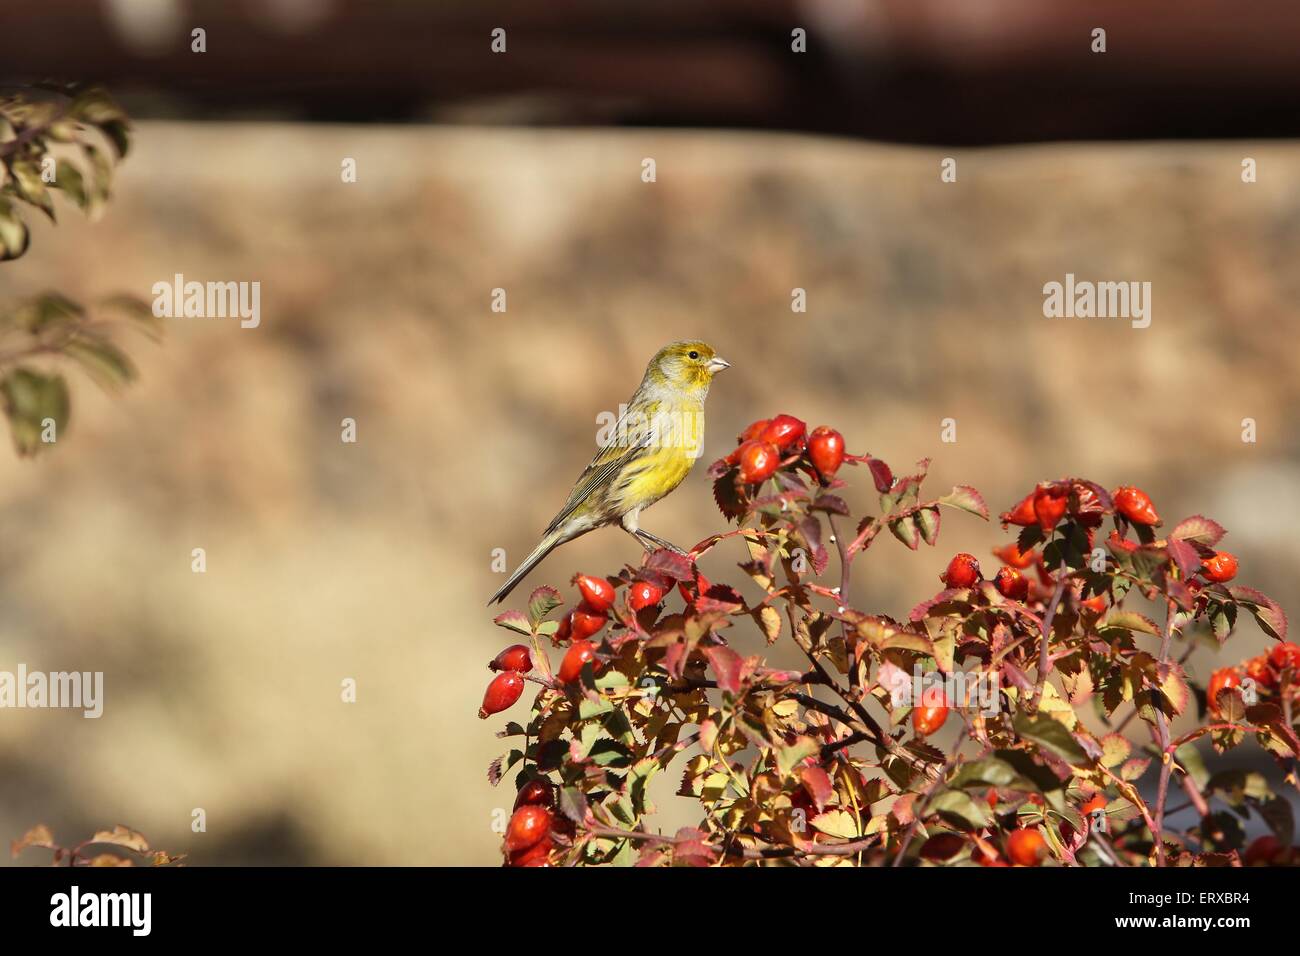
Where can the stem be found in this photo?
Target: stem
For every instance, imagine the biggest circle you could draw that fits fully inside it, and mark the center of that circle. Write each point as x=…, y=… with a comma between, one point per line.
x=1162, y=741
x=1044, y=665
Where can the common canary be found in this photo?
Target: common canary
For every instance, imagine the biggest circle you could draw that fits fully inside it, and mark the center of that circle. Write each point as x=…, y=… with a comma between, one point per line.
x=649, y=451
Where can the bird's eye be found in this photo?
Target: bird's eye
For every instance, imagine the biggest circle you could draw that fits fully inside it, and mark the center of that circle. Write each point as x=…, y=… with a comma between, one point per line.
x=693, y=355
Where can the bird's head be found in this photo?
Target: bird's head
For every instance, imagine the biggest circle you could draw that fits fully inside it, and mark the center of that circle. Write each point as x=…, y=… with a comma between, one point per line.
x=686, y=366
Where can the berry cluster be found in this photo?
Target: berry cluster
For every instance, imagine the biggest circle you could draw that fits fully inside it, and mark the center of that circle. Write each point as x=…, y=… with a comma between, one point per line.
x=816, y=766
x=784, y=442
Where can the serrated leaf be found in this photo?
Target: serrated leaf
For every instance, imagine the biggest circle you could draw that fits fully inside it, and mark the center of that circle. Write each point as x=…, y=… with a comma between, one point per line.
x=122, y=836
x=905, y=530
x=542, y=602
x=1200, y=529
x=1115, y=749
x=1129, y=621
x=836, y=823
x=1267, y=612
x=514, y=621
x=967, y=499
x=927, y=520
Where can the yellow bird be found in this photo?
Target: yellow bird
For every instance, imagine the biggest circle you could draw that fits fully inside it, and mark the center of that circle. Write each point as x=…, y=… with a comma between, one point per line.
x=649, y=451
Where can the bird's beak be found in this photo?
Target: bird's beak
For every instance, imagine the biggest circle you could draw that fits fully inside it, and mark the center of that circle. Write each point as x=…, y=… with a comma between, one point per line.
x=718, y=364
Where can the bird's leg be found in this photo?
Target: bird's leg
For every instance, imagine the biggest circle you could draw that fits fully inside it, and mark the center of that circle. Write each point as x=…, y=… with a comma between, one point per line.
x=658, y=542
x=628, y=524
x=636, y=533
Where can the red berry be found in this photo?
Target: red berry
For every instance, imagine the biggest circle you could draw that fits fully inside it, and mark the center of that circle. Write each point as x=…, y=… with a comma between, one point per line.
x=585, y=621
x=926, y=720
x=1123, y=543
x=826, y=450
x=1135, y=504
x=537, y=792
x=501, y=693
x=1011, y=584
x=1260, y=671
x=1011, y=554
x=1026, y=848
x=963, y=571
x=1049, y=506
x=527, y=827
x=643, y=594
x=1098, y=802
x=1286, y=655
x=758, y=461
x=516, y=657
x=1096, y=604
x=1263, y=851
x=783, y=431
x=1221, y=679
x=1220, y=568
x=578, y=654
x=564, y=631
x=539, y=854
x=1023, y=513
x=753, y=431
x=597, y=593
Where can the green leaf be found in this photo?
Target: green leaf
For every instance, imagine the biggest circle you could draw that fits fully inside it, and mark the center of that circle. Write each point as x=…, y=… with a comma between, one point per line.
x=14, y=237
x=1051, y=734
x=790, y=756
x=1129, y=621
x=989, y=772
x=906, y=531
x=967, y=499
x=103, y=361
x=68, y=178
x=1189, y=758
x=27, y=178
x=29, y=398
x=514, y=621
x=927, y=520
x=542, y=602
x=48, y=312
x=959, y=809
x=118, y=132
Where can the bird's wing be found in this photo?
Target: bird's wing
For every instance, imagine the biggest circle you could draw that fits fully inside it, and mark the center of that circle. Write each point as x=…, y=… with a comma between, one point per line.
x=628, y=439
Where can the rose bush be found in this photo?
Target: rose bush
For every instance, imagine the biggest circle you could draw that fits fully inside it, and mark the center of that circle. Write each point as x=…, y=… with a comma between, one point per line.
x=1065, y=671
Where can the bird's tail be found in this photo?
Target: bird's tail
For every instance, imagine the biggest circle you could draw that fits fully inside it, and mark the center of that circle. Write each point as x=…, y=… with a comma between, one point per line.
x=547, y=544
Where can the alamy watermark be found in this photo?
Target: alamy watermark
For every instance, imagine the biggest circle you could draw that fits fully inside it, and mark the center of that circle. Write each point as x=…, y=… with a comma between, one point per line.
x=208, y=300
x=1082, y=299
x=74, y=690
x=968, y=690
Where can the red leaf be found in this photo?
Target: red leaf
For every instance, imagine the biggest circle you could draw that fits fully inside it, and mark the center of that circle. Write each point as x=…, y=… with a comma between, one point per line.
x=670, y=563
x=1199, y=529
x=727, y=666
x=881, y=475
x=1267, y=612
x=818, y=784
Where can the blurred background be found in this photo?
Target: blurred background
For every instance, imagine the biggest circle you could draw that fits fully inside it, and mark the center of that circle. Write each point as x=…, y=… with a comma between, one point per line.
x=522, y=171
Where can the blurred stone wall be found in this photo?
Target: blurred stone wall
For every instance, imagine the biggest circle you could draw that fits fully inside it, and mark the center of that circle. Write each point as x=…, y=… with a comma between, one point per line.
x=371, y=560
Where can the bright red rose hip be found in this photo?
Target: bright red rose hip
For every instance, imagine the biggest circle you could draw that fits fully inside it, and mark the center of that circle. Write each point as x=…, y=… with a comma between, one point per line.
x=502, y=693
